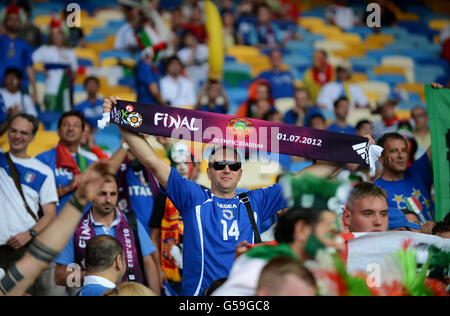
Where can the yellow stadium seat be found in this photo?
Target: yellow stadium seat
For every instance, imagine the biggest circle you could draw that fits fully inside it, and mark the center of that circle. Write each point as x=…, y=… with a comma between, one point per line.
x=438, y=24
x=382, y=88
x=87, y=53
x=327, y=30
x=113, y=61
x=380, y=38
x=418, y=88
x=407, y=63
x=329, y=46
x=379, y=70
x=310, y=22
x=348, y=38
x=359, y=77
x=407, y=17
x=242, y=51
x=350, y=53
x=109, y=14
x=42, y=21
x=362, y=114
x=403, y=114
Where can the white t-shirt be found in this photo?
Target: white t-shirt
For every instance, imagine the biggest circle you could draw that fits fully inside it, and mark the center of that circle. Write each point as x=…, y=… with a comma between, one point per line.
x=331, y=91
x=52, y=55
x=38, y=186
x=23, y=101
x=179, y=92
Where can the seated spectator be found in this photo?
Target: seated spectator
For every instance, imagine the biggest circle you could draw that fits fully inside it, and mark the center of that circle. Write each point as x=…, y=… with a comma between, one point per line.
x=260, y=101
x=367, y=209
x=341, y=107
x=125, y=38
x=315, y=119
x=15, y=52
x=92, y=107
x=177, y=90
x=285, y=276
x=213, y=98
x=342, y=87
x=342, y=16
x=148, y=79
x=229, y=31
x=442, y=229
x=104, y=218
x=296, y=115
x=194, y=57
x=196, y=22
x=265, y=33
x=105, y=266
x=61, y=63
x=319, y=74
x=389, y=120
x=282, y=81
x=13, y=96
x=29, y=32
x=363, y=128
x=421, y=131
x=407, y=187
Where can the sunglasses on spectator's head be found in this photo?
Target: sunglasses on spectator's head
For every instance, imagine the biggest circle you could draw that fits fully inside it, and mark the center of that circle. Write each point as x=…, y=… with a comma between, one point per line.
x=220, y=165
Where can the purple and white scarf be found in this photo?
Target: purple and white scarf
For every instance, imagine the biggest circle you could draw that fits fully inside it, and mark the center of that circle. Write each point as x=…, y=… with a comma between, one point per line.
x=124, y=234
x=220, y=129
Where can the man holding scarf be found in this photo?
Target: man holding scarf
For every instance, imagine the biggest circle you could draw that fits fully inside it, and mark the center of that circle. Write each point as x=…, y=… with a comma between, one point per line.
x=215, y=221
x=104, y=218
x=67, y=159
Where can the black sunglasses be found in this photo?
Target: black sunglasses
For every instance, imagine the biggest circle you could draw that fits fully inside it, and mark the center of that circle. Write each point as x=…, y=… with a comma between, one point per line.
x=220, y=165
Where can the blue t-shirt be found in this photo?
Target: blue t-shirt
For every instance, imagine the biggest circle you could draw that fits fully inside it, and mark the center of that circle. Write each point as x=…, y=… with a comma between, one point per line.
x=339, y=129
x=63, y=176
x=15, y=53
x=92, y=112
x=213, y=227
x=282, y=83
x=413, y=191
x=146, y=75
x=141, y=197
x=67, y=255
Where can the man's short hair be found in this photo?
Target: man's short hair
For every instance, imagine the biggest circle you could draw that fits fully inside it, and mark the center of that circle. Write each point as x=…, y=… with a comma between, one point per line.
x=441, y=227
x=222, y=148
x=284, y=229
x=336, y=103
x=361, y=123
x=91, y=78
x=15, y=71
x=31, y=118
x=101, y=251
x=273, y=274
x=72, y=113
x=362, y=190
x=387, y=136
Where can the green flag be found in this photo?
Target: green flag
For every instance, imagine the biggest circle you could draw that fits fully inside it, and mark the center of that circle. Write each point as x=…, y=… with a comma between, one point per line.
x=438, y=103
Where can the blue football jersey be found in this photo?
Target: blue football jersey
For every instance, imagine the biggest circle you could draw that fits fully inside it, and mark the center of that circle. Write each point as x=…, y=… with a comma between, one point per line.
x=213, y=227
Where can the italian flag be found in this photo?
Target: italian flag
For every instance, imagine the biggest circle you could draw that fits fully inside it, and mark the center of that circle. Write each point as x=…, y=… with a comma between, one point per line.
x=148, y=37
x=415, y=206
x=58, y=96
x=29, y=177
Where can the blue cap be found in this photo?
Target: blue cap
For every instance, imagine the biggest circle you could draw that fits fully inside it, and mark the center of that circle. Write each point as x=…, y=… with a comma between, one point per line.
x=397, y=219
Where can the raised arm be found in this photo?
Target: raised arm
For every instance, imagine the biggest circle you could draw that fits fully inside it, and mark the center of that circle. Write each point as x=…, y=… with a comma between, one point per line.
x=51, y=241
x=142, y=150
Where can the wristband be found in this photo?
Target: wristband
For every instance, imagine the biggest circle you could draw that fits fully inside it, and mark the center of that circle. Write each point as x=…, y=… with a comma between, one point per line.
x=125, y=146
x=33, y=233
x=76, y=203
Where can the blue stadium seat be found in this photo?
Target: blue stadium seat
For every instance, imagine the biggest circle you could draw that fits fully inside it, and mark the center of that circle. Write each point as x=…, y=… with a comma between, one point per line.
x=428, y=73
x=391, y=79
x=363, y=64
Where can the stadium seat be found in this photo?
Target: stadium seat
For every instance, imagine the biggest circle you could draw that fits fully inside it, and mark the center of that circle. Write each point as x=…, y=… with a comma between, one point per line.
x=438, y=24
x=387, y=69
x=311, y=22
x=87, y=54
x=406, y=63
x=391, y=79
x=363, y=64
x=380, y=87
x=428, y=73
x=380, y=38
x=329, y=46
